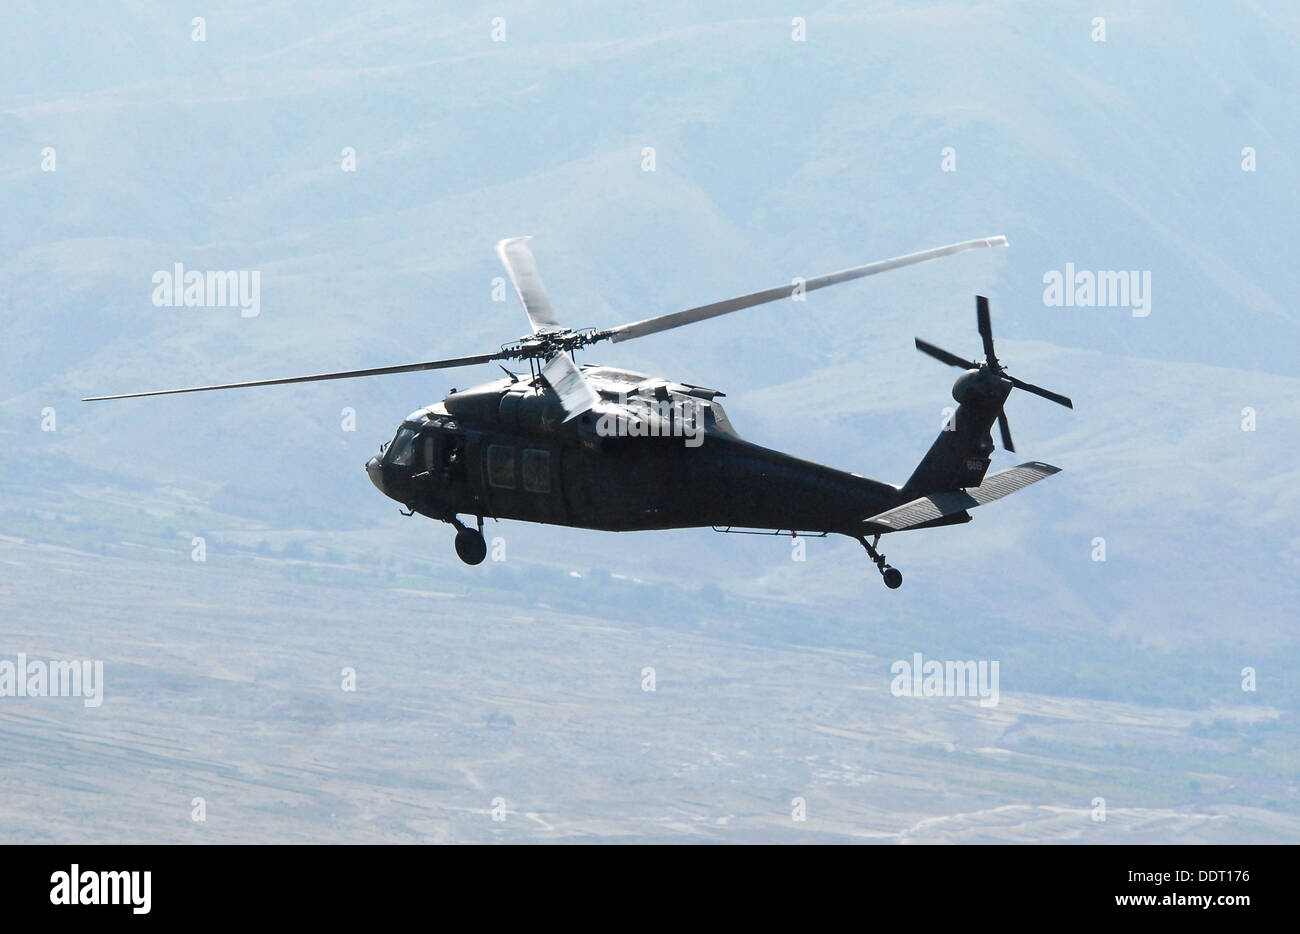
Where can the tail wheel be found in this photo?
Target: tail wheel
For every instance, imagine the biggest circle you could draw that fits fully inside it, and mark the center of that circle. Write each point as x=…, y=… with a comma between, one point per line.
x=892, y=575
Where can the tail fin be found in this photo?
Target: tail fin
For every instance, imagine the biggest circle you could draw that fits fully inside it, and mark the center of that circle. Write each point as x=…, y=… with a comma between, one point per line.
x=959, y=457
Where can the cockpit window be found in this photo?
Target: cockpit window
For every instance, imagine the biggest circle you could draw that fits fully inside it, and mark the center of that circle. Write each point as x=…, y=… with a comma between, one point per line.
x=403, y=447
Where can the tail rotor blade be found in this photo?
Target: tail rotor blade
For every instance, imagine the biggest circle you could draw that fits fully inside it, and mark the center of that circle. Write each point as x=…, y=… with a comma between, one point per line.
x=986, y=328
x=1040, y=391
x=1005, y=428
x=943, y=356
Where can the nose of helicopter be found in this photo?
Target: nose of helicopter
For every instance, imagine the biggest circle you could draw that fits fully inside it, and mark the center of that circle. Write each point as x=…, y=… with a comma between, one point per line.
x=376, y=473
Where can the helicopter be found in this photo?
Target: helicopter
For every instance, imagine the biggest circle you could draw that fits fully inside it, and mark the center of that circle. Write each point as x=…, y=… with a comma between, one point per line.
x=599, y=447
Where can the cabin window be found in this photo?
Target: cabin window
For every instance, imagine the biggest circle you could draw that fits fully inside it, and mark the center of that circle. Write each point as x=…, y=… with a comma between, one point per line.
x=537, y=471
x=501, y=466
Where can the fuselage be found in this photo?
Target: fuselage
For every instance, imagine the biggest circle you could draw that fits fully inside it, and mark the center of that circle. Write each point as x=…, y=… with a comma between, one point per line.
x=654, y=455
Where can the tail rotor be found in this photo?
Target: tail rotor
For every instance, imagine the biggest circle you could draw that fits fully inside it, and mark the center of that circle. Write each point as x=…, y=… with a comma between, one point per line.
x=982, y=378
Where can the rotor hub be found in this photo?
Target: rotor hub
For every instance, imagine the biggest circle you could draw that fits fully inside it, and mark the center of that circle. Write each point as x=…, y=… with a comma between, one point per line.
x=545, y=344
x=981, y=387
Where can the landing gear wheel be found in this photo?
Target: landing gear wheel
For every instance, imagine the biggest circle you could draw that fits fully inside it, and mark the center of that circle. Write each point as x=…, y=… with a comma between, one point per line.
x=470, y=546
x=893, y=577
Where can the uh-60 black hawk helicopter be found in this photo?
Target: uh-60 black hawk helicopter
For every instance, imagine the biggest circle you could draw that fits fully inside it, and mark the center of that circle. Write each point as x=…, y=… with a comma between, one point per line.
x=597, y=447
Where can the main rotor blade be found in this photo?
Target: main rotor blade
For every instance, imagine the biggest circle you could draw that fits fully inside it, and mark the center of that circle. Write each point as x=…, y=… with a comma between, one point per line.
x=347, y=374
x=985, y=328
x=1005, y=427
x=691, y=315
x=944, y=356
x=1040, y=391
x=522, y=268
x=576, y=394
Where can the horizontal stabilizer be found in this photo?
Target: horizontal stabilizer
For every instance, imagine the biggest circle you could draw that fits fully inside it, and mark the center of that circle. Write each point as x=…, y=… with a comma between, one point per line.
x=936, y=506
